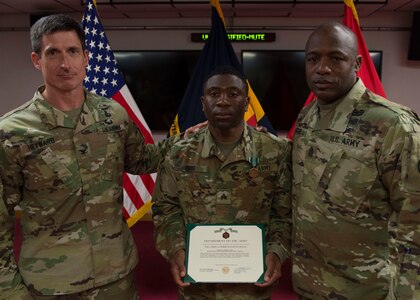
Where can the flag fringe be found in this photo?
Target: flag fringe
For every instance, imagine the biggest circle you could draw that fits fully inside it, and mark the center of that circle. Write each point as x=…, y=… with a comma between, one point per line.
x=139, y=213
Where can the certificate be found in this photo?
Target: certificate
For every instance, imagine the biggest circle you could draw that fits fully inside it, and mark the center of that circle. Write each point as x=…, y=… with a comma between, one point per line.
x=225, y=253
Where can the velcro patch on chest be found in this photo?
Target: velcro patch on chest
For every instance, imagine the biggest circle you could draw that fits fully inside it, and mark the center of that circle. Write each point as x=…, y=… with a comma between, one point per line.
x=346, y=141
x=41, y=143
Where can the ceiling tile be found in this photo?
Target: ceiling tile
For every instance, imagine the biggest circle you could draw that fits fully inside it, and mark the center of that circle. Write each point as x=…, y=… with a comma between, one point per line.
x=201, y=8
x=6, y=9
x=365, y=10
x=149, y=15
x=111, y=15
x=406, y=5
x=321, y=9
x=150, y=8
x=257, y=10
x=40, y=6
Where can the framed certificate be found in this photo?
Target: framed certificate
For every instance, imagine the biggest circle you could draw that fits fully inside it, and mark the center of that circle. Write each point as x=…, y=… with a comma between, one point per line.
x=225, y=253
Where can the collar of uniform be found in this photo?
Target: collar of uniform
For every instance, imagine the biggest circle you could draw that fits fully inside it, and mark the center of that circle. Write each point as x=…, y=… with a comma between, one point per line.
x=91, y=112
x=53, y=117
x=343, y=111
x=310, y=115
x=246, y=143
x=50, y=116
x=209, y=146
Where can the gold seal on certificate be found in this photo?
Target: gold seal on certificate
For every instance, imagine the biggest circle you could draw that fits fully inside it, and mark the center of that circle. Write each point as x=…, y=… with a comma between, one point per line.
x=225, y=253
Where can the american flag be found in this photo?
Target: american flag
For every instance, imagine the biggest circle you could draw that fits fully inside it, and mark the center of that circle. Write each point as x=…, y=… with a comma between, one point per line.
x=104, y=78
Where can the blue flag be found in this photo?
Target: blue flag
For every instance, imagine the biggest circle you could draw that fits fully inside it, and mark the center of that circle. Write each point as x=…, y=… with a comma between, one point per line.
x=217, y=51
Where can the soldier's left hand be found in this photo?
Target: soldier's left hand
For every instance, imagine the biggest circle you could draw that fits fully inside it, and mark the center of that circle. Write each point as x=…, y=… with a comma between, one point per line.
x=261, y=128
x=273, y=272
x=178, y=268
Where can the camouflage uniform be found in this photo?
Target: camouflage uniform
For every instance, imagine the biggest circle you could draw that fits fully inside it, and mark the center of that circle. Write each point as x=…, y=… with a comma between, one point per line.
x=67, y=178
x=124, y=288
x=197, y=184
x=356, y=198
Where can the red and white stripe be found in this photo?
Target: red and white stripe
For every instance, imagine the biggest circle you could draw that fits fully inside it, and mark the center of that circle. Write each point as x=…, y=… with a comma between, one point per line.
x=138, y=189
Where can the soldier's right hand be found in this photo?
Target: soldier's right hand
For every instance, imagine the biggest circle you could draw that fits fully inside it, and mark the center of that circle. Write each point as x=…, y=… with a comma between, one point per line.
x=178, y=268
x=195, y=128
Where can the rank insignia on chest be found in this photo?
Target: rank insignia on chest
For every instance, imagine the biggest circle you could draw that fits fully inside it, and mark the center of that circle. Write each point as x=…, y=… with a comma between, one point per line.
x=223, y=197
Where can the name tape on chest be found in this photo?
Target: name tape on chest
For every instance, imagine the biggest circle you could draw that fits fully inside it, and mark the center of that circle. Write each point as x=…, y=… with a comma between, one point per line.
x=41, y=144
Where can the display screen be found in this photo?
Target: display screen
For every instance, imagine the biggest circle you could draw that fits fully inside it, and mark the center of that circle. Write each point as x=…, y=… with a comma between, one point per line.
x=157, y=80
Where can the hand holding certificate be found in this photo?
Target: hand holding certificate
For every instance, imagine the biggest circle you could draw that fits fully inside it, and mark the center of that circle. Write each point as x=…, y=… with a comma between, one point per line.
x=225, y=253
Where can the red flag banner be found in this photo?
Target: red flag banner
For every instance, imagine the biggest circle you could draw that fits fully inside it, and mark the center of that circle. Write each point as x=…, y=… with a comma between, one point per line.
x=367, y=70
x=291, y=132
x=104, y=78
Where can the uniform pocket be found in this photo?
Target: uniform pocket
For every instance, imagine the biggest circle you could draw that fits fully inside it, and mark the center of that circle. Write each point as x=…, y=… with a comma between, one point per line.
x=404, y=284
x=47, y=175
x=197, y=193
x=113, y=166
x=410, y=165
x=347, y=179
x=56, y=166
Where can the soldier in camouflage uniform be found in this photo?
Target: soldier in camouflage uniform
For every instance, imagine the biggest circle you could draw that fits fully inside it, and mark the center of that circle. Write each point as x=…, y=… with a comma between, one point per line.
x=356, y=190
x=226, y=173
x=62, y=158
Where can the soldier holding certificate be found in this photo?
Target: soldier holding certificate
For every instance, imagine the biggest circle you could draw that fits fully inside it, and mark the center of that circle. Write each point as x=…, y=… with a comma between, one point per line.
x=226, y=173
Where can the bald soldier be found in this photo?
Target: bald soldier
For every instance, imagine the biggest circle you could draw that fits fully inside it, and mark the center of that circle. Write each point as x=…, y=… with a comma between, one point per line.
x=356, y=191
